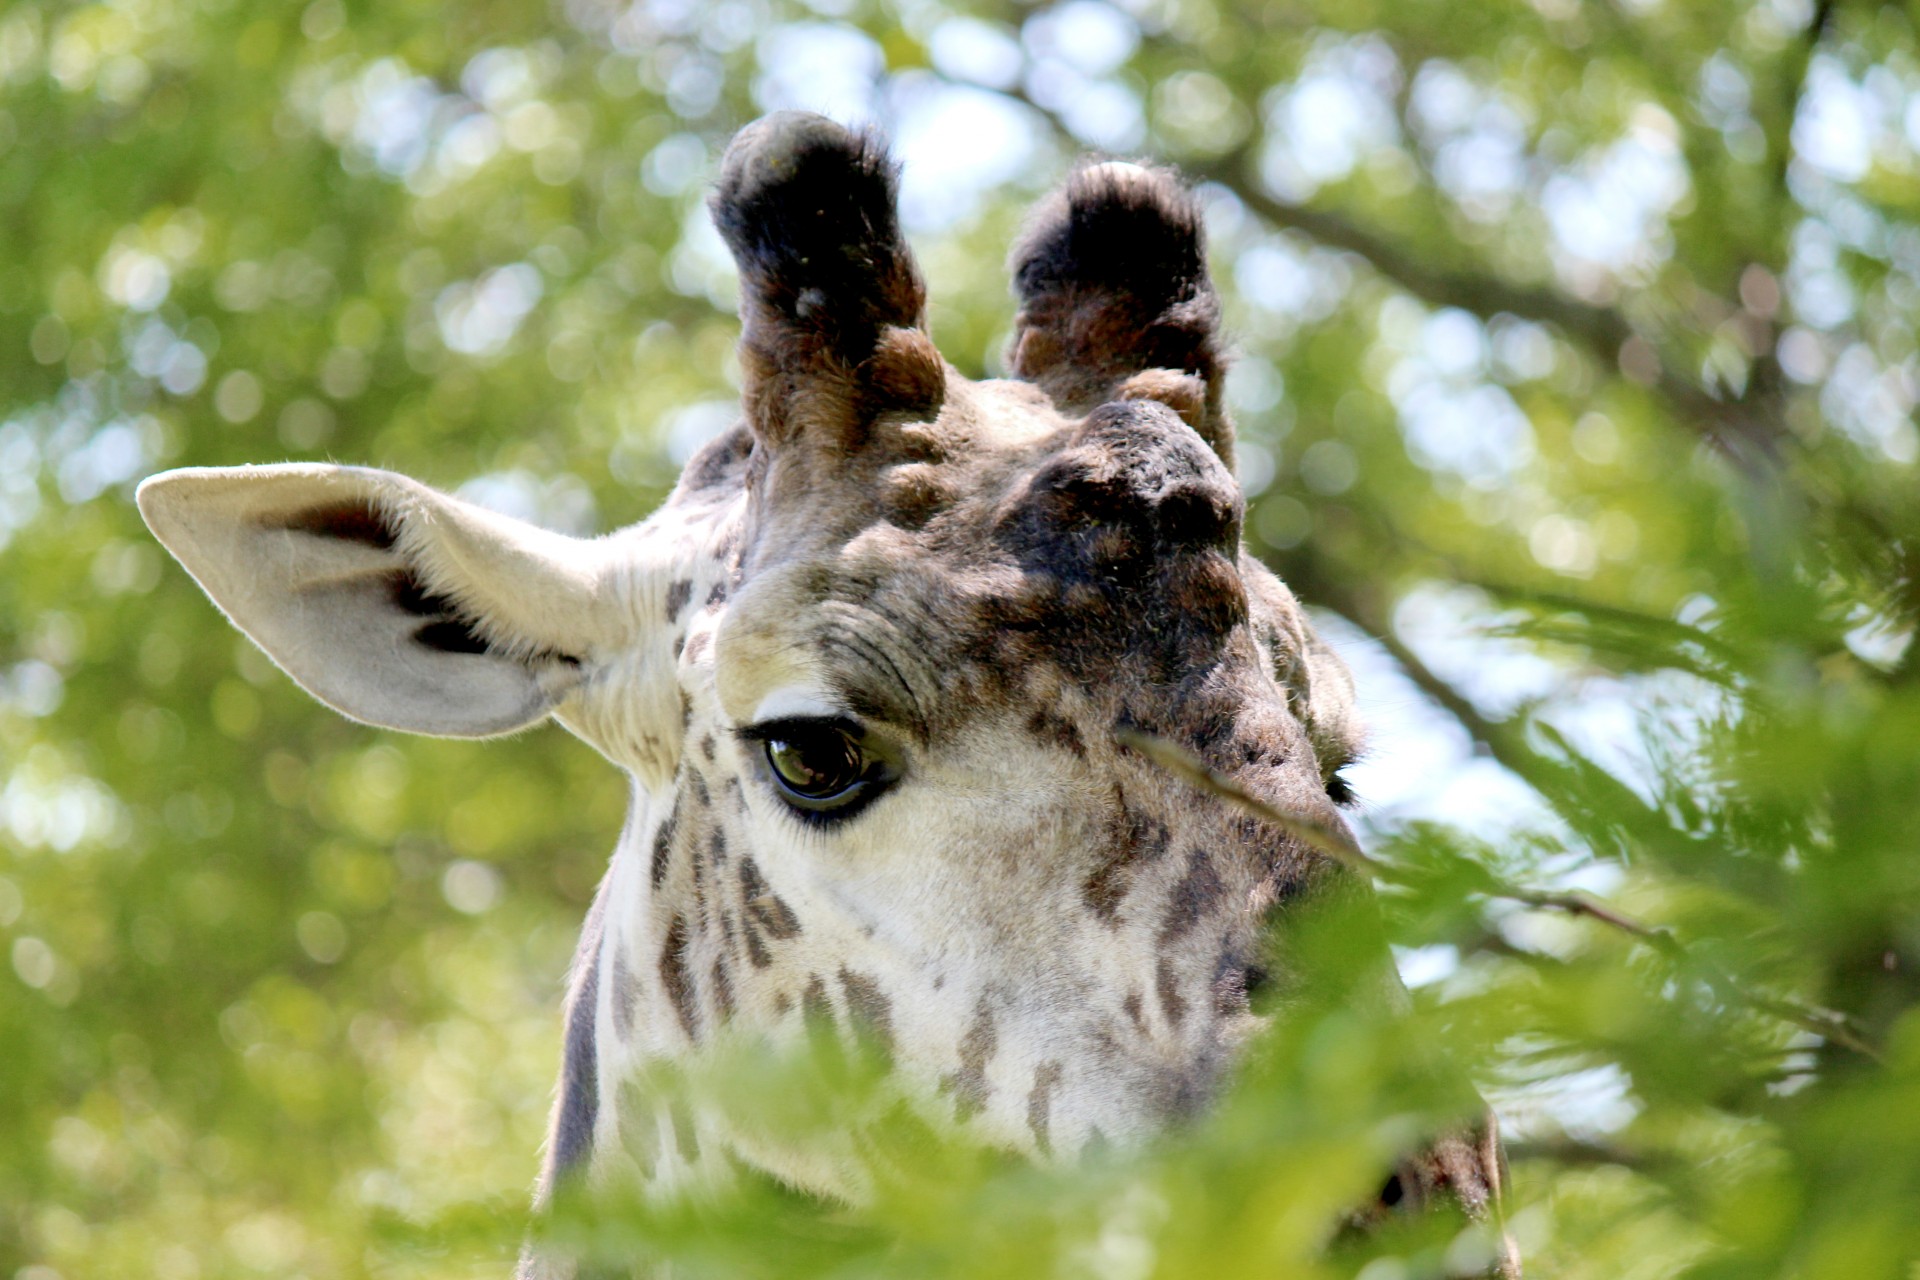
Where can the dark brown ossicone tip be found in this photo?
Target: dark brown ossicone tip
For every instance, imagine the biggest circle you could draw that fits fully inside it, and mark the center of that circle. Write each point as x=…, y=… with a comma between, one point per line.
x=807, y=208
x=1112, y=280
x=1132, y=232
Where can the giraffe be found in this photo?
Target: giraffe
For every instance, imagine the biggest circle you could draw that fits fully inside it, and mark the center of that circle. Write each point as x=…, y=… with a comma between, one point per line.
x=871, y=668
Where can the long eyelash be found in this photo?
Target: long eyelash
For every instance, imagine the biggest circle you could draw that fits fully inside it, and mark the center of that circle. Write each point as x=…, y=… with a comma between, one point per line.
x=1339, y=790
x=786, y=725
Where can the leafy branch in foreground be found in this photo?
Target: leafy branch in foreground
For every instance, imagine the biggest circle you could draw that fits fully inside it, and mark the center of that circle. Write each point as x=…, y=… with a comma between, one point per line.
x=1339, y=845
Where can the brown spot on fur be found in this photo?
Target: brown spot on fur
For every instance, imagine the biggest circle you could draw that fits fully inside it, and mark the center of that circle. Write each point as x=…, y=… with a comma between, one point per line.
x=1135, y=1014
x=1255, y=750
x=757, y=953
x=1171, y=1001
x=1083, y=598
x=1040, y=1103
x=764, y=907
x=1056, y=731
x=717, y=596
x=815, y=1004
x=1112, y=551
x=969, y=1084
x=723, y=990
x=686, y=1140
x=706, y=748
x=677, y=596
x=623, y=997
x=870, y=1009
x=1103, y=890
x=1132, y=838
x=1198, y=892
x=1210, y=589
x=782, y=1004
x=698, y=866
x=674, y=978
x=719, y=461
x=578, y=1105
x=663, y=844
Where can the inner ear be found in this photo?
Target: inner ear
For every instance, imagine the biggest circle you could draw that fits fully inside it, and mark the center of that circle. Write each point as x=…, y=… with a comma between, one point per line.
x=393, y=603
x=831, y=302
x=1112, y=281
x=358, y=523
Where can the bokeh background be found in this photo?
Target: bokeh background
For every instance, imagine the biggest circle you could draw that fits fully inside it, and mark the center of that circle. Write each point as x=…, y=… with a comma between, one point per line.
x=1576, y=390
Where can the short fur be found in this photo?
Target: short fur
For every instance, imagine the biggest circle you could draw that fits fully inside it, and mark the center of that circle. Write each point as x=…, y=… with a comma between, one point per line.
x=1044, y=934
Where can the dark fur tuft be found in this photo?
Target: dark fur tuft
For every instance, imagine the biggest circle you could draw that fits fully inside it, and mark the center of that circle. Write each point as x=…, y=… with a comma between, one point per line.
x=1112, y=280
x=807, y=208
x=1130, y=232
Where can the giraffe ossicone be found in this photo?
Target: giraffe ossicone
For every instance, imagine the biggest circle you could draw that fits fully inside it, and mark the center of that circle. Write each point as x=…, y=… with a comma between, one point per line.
x=866, y=667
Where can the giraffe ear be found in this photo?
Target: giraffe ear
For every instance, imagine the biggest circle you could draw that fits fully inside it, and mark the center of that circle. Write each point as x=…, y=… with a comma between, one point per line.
x=389, y=601
x=1115, y=299
x=831, y=302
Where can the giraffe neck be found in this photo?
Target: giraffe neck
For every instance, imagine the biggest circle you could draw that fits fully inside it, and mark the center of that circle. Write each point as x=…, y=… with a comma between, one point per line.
x=624, y=1007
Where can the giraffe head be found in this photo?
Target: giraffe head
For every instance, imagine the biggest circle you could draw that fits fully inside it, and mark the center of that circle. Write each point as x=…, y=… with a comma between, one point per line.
x=871, y=668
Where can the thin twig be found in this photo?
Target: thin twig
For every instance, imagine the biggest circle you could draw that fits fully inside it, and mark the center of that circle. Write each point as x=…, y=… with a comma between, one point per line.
x=1321, y=838
x=1828, y=1024
x=1567, y=1150
x=1580, y=904
x=1337, y=843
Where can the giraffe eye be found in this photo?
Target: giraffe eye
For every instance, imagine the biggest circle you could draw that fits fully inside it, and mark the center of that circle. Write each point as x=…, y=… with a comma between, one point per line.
x=816, y=766
x=824, y=770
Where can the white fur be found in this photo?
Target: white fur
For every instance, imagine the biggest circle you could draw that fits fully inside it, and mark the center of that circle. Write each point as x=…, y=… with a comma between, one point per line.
x=321, y=607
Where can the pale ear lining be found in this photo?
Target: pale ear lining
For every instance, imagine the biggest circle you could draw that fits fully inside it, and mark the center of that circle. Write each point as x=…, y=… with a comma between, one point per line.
x=443, y=626
x=392, y=603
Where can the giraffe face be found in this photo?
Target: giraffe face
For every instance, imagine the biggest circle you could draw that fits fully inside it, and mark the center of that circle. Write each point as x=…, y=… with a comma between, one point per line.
x=913, y=718
x=901, y=800
x=869, y=667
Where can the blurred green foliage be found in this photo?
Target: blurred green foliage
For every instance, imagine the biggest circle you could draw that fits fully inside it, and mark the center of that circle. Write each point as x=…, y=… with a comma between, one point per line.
x=1579, y=368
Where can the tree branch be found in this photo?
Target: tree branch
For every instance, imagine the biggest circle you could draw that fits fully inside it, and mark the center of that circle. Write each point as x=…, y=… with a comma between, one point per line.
x=1602, y=330
x=1795, y=83
x=1340, y=845
x=1749, y=438
x=1746, y=437
x=1564, y=1149
x=1500, y=741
